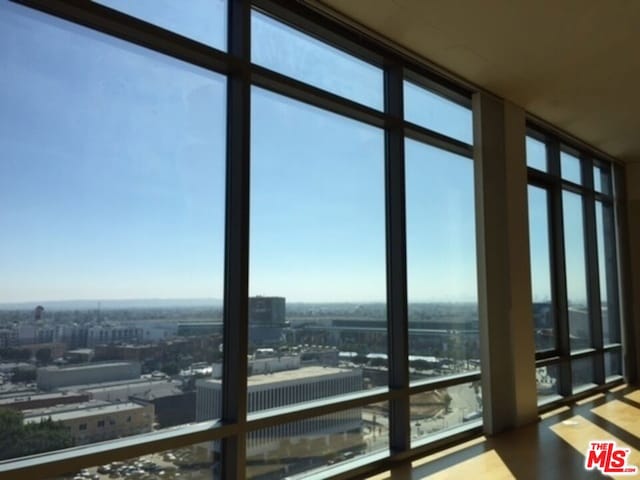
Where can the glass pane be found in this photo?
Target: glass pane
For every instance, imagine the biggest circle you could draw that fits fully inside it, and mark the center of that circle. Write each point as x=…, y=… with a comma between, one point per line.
x=602, y=180
x=317, y=269
x=442, y=409
x=544, y=323
x=547, y=383
x=607, y=273
x=441, y=262
x=582, y=373
x=286, y=50
x=112, y=220
x=536, y=154
x=202, y=20
x=435, y=112
x=579, y=322
x=612, y=364
x=300, y=449
x=194, y=462
x=570, y=168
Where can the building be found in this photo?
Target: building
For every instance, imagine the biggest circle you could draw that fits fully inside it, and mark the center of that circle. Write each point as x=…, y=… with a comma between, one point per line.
x=51, y=378
x=279, y=388
x=172, y=406
x=8, y=337
x=267, y=321
x=33, y=401
x=98, y=421
x=196, y=329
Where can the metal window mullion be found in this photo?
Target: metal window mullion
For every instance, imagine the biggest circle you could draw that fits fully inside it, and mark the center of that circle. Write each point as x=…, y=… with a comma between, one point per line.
x=438, y=140
x=236, y=291
x=134, y=30
x=318, y=97
x=397, y=303
x=559, y=273
x=592, y=271
x=611, y=270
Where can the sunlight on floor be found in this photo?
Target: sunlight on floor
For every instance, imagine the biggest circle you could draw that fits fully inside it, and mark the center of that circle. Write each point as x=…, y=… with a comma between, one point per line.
x=578, y=432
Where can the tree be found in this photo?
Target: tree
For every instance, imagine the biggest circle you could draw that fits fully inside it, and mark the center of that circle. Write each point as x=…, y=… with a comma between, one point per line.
x=25, y=375
x=43, y=355
x=170, y=368
x=18, y=439
x=15, y=354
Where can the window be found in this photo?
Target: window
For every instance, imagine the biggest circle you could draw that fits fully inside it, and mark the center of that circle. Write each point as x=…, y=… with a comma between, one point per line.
x=573, y=269
x=289, y=51
x=317, y=272
x=112, y=211
x=441, y=263
x=203, y=20
x=539, y=241
x=435, y=112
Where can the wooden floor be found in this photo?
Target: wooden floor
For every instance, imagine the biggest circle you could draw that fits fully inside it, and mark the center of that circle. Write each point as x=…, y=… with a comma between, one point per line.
x=554, y=448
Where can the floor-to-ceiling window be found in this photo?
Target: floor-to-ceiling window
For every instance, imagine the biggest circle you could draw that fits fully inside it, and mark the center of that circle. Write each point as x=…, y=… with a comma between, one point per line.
x=573, y=268
x=236, y=241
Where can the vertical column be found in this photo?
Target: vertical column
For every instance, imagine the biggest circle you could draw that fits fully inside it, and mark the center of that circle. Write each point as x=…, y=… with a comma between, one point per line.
x=630, y=267
x=593, y=272
x=398, y=331
x=504, y=283
x=236, y=288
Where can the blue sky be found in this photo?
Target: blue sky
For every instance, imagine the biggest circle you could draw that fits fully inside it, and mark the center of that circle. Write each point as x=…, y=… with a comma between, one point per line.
x=112, y=178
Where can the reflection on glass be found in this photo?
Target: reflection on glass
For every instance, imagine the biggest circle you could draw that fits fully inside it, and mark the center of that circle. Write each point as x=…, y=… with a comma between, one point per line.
x=578, y=312
x=548, y=383
x=435, y=112
x=202, y=20
x=612, y=364
x=317, y=312
x=544, y=323
x=286, y=50
x=441, y=262
x=570, y=168
x=582, y=373
x=536, y=154
x=195, y=462
x=299, y=449
x=607, y=273
x=439, y=410
x=112, y=219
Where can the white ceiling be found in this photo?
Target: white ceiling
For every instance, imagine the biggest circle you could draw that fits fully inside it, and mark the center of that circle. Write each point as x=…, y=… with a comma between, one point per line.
x=573, y=63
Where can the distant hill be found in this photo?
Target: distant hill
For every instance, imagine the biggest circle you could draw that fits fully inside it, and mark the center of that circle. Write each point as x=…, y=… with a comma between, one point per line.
x=114, y=304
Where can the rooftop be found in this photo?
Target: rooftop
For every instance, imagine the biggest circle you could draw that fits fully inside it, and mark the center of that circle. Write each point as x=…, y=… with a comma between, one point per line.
x=290, y=375
x=79, y=411
x=86, y=366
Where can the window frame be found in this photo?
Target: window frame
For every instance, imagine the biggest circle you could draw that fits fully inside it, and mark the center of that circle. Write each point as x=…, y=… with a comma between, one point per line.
x=235, y=64
x=555, y=185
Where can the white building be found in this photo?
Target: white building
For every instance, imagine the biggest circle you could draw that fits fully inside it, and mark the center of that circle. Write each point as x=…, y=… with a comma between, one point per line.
x=273, y=390
x=50, y=378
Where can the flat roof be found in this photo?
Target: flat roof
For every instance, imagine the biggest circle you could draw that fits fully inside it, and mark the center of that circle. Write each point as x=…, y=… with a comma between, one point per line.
x=85, y=366
x=38, y=396
x=97, y=388
x=79, y=412
x=291, y=375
